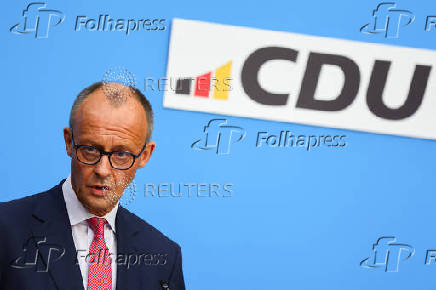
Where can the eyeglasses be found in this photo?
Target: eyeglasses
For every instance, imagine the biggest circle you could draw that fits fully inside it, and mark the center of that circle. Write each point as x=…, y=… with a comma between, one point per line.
x=91, y=155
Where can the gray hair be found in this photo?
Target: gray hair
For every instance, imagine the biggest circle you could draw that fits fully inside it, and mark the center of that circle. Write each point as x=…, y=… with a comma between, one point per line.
x=101, y=85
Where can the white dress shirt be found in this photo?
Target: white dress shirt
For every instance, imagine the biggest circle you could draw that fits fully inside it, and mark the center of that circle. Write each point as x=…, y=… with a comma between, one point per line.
x=83, y=234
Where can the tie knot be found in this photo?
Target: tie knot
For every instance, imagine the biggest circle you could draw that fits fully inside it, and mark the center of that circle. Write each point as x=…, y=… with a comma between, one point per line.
x=97, y=225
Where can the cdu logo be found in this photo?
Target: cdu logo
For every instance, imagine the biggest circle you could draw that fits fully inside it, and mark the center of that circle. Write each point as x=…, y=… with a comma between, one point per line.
x=220, y=136
x=387, y=254
x=219, y=81
x=38, y=20
x=388, y=20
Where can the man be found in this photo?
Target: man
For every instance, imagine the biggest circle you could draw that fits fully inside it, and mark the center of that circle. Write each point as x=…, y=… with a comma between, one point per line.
x=75, y=235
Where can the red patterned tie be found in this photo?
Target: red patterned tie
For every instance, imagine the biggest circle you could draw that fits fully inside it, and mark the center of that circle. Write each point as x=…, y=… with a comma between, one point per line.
x=99, y=270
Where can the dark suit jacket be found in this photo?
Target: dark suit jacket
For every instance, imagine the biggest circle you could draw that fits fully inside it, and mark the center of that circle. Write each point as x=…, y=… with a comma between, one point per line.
x=37, y=249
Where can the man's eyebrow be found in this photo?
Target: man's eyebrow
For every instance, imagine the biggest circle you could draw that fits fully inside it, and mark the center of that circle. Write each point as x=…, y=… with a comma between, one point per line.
x=119, y=147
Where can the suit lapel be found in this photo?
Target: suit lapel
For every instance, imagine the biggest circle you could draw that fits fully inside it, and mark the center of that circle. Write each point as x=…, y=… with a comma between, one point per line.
x=126, y=229
x=50, y=224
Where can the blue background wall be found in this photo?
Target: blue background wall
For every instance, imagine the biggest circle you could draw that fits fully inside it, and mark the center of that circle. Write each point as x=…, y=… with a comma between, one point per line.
x=297, y=219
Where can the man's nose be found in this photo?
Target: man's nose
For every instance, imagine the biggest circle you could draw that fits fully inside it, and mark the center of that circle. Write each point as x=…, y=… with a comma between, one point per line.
x=103, y=167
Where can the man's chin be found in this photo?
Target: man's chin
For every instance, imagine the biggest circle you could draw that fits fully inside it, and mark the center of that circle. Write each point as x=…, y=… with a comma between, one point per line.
x=99, y=205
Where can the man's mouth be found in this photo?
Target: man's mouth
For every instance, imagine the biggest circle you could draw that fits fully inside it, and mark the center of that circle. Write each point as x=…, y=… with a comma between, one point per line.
x=99, y=189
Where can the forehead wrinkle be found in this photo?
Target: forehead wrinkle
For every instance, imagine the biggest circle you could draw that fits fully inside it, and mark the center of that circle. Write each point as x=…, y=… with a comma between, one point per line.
x=97, y=114
x=112, y=136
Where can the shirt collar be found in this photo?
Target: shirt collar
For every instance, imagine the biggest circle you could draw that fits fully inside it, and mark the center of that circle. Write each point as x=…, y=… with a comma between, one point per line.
x=77, y=213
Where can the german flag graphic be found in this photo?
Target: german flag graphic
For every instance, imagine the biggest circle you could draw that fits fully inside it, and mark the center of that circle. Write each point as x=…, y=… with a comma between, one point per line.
x=218, y=81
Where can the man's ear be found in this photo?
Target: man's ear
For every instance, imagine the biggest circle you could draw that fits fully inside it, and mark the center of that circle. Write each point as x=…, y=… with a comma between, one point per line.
x=68, y=141
x=145, y=156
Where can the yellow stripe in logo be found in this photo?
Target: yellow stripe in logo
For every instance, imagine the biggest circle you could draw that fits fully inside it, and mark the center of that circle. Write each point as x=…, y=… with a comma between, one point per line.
x=221, y=82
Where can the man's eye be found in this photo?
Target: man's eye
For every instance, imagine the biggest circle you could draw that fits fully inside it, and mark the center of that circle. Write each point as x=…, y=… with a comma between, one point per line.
x=121, y=154
x=89, y=149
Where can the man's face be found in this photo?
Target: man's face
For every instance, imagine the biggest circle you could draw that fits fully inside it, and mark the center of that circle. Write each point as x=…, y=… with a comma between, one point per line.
x=100, y=124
